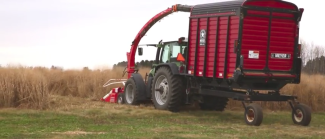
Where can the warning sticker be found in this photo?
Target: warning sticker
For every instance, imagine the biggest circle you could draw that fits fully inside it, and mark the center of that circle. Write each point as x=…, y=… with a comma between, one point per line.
x=253, y=54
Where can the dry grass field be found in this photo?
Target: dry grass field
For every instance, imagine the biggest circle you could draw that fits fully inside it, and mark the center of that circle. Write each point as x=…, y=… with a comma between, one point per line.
x=49, y=103
x=22, y=87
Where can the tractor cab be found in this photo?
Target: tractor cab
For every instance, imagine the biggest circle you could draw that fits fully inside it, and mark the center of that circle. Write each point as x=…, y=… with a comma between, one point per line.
x=169, y=51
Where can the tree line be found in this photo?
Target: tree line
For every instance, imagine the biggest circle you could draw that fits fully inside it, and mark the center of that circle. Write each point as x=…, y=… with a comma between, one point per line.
x=141, y=64
x=313, y=58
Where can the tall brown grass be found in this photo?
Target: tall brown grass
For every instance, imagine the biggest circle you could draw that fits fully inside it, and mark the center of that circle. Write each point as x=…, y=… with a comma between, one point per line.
x=33, y=87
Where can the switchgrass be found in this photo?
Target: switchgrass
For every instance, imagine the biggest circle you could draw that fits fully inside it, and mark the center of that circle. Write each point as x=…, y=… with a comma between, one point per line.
x=23, y=87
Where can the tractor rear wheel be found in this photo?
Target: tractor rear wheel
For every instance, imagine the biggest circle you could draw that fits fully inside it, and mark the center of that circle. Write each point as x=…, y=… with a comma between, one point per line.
x=212, y=103
x=131, y=93
x=167, y=90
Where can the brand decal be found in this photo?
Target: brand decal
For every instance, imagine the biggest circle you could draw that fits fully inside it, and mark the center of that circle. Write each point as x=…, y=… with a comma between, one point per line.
x=202, y=37
x=280, y=56
x=253, y=54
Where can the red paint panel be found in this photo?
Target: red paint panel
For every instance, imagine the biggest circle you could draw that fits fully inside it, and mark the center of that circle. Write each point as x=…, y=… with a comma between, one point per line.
x=211, y=40
x=233, y=35
x=201, y=49
x=191, y=45
x=211, y=43
x=255, y=38
x=282, y=41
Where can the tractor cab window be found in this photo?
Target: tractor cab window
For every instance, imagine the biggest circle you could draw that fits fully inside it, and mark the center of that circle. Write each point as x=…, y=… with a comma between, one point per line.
x=170, y=52
x=175, y=51
x=165, y=53
x=176, y=48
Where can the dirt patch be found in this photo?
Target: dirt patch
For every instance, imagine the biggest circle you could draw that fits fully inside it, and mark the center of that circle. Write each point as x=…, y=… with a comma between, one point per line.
x=78, y=133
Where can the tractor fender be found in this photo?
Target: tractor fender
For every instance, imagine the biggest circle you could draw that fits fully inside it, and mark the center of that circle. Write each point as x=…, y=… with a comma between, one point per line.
x=141, y=86
x=172, y=66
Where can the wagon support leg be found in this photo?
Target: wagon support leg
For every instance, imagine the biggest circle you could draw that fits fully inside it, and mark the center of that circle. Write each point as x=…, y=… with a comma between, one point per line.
x=293, y=103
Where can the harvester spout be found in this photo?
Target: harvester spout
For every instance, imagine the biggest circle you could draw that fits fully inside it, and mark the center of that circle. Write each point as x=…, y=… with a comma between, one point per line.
x=145, y=29
x=182, y=8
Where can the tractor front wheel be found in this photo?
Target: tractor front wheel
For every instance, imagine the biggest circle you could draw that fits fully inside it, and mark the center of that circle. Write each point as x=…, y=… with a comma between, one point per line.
x=131, y=92
x=167, y=90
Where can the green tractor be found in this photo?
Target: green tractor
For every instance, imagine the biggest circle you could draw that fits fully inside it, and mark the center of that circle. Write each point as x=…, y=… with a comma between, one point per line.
x=160, y=80
x=165, y=85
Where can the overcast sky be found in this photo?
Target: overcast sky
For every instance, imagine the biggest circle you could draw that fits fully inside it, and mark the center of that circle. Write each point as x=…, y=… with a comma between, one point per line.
x=97, y=33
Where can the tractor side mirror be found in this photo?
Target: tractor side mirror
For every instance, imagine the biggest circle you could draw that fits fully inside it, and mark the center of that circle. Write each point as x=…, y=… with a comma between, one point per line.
x=140, y=51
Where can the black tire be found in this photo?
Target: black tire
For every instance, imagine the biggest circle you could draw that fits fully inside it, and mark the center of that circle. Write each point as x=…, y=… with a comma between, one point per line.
x=253, y=114
x=131, y=93
x=211, y=103
x=149, y=86
x=305, y=115
x=120, y=98
x=175, y=93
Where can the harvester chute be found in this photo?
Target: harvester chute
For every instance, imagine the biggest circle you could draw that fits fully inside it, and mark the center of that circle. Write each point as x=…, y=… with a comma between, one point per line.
x=145, y=29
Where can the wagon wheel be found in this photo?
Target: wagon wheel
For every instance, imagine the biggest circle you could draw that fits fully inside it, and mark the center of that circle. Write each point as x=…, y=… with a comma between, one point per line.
x=253, y=114
x=301, y=115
